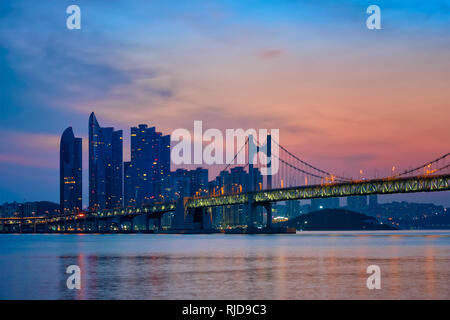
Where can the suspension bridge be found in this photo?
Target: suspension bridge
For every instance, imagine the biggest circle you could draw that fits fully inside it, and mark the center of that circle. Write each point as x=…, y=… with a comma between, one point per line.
x=294, y=179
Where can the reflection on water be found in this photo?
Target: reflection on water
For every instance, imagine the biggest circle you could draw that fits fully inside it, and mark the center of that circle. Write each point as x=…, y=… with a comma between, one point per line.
x=308, y=265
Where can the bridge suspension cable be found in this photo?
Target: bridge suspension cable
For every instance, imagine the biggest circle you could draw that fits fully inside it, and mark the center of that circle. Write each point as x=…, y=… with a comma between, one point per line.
x=235, y=156
x=298, y=169
x=310, y=165
x=304, y=170
x=443, y=168
x=423, y=167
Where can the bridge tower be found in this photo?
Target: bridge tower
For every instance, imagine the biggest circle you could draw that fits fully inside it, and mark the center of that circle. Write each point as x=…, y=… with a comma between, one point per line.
x=268, y=206
x=253, y=150
x=251, y=188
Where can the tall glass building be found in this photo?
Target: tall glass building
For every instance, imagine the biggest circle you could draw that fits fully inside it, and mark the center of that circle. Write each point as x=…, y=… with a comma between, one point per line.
x=147, y=174
x=105, y=166
x=70, y=172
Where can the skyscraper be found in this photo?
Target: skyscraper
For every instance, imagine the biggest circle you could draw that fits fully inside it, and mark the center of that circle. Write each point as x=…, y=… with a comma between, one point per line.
x=105, y=166
x=181, y=183
x=199, y=182
x=148, y=172
x=70, y=174
x=129, y=189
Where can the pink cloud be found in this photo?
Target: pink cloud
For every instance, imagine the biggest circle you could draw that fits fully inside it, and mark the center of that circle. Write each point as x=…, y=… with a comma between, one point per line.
x=270, y=54
x=28, y=161
x=388, y=100
x=30, y=149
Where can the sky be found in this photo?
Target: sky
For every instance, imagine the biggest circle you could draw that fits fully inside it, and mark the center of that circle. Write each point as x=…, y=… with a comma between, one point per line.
x=344, y=97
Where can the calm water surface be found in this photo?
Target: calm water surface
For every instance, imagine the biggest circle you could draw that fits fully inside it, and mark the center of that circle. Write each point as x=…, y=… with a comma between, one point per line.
x=306, y=265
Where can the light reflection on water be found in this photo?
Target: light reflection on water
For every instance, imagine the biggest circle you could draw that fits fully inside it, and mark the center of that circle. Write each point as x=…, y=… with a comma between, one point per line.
x=308, y=265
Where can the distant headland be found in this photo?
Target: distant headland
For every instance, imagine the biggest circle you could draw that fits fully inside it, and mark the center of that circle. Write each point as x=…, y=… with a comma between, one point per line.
x=334, y=219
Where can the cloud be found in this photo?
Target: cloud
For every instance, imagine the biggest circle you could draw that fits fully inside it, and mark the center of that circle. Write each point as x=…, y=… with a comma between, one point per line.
x=29, y=149
x=270, y=54
x=335, y=90
x=27, y=161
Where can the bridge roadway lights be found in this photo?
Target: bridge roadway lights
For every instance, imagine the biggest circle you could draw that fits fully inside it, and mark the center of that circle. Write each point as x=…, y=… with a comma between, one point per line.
x=192, y=213
x=345, y=189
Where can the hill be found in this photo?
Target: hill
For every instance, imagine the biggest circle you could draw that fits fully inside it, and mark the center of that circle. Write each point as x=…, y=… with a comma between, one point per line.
x=334, y=219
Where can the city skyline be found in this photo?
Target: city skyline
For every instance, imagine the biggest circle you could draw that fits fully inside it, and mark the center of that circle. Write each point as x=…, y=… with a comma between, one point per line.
x=179, y=70
x=214, y=176
x=209, y=157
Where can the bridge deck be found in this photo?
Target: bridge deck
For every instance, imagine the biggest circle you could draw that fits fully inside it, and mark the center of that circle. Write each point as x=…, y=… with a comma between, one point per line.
x=354, y=188
x=367, y=187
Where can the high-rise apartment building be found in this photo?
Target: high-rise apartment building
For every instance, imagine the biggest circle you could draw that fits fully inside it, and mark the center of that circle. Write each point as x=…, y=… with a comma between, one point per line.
x=105, y=166
x=147, y=174
x=70, y=174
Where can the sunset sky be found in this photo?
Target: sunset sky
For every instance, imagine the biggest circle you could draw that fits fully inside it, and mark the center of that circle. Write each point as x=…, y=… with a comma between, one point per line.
x=345, y=98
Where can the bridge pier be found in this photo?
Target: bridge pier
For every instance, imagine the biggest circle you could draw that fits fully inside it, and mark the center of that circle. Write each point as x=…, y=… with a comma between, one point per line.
x=179, y=221
x=251, y=214
x=107, y=225
x=147, y=223
x=207, y=219
x=158, y=223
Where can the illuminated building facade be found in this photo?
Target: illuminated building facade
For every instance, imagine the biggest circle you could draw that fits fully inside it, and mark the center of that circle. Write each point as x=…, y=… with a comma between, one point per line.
x=237, y=180
x=105, y=166
x=147, y=174
x=70, y=178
